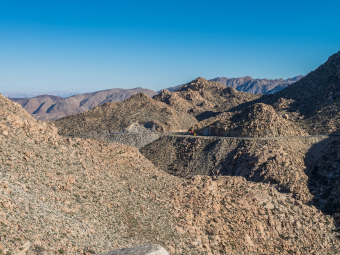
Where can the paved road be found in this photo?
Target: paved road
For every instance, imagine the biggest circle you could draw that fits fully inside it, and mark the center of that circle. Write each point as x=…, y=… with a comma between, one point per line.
x=182, y=134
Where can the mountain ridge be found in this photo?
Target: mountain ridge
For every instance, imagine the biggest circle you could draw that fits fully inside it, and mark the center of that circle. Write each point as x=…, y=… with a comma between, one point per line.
x=35, y=94
x=49, y=107
x=251, y=85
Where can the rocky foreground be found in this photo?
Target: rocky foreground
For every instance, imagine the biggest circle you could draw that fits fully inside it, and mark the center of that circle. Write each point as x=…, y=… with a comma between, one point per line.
x=76, y=196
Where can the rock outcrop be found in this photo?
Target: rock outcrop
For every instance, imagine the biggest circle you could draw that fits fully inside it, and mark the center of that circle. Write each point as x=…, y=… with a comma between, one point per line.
x=203, y=99
x=138, y=110
x=258, y=120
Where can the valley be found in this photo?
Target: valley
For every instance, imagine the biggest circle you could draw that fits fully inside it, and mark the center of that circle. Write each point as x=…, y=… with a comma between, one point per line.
x=261, y=175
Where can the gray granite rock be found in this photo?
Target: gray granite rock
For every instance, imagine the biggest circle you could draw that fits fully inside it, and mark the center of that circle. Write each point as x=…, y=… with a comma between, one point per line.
x=147, y=249
x=137, y=140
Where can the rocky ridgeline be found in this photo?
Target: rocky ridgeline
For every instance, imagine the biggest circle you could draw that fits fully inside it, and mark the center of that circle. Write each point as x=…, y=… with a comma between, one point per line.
x=258, y=120
x=203, y=99
x=314, y=99
x=76, y=196
x=139, y=109
x=52, y=107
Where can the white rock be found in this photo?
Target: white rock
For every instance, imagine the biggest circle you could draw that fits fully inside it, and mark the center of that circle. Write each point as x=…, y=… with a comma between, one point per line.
x=148, y=249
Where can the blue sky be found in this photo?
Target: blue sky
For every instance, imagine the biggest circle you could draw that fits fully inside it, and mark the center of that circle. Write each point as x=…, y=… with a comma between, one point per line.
x=95, y=45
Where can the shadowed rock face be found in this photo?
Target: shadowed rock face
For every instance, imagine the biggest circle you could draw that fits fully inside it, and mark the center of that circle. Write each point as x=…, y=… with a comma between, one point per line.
x=148, y=249
x=280, y=162
x=49, y=107
x=323, y=167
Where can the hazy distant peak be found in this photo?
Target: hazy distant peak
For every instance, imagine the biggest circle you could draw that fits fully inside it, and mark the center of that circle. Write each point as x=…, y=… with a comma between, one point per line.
x=63, y=94
x=248, y=84
x=50, y=107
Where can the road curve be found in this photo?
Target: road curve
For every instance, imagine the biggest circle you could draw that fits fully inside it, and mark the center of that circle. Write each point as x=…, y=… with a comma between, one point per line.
x=182, y=134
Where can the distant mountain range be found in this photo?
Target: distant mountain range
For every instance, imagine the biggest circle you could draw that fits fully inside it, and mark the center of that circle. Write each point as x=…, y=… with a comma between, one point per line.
x=244, y=84
x=257, y=86
x=250, y=85
x=35, y=94
x=49, y=107
x=58, y=104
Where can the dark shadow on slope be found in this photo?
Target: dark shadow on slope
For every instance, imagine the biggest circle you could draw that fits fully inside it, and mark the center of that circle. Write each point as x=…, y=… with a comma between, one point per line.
x=247, y=104
x=206, y=115
x=186, y=157
x=323, y=170
x=51, y=108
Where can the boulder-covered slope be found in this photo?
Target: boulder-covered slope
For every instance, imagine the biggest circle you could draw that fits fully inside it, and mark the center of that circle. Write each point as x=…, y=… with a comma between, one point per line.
x=257, y=120
x=306, y=167
x=308, y=106
x=314, y=101
x=138, y=110
x=50, y=107
x=75, y=196
x=203, y=99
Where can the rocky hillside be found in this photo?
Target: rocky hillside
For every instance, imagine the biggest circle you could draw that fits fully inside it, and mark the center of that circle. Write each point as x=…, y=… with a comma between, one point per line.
x=258, y=120
x=315, y=99
x=309, y=106
x=306, y=167
x=75, y=196
x=275, y=161
x=49, y=107
x=203, y=99
x=135, y=112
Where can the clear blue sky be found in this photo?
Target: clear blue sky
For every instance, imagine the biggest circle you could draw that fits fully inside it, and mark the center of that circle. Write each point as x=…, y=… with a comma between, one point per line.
x=86, y=46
